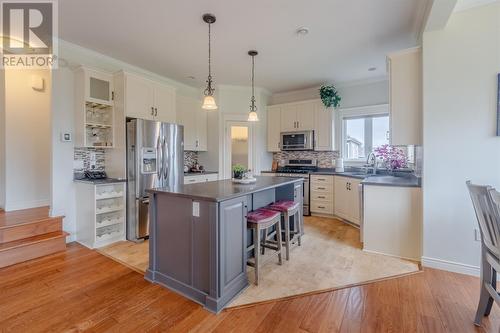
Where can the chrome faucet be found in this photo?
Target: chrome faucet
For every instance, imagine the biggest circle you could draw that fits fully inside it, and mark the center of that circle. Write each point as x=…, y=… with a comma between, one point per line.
x=371, y=161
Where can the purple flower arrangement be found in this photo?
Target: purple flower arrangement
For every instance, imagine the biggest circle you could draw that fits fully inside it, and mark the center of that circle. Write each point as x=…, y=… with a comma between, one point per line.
x=394, y=158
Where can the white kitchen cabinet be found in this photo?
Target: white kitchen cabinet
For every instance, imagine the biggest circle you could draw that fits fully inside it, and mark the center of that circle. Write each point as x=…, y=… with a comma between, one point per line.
x=324, y=128
x=273, y=128
x=405, y=96
x=392, y=223
x=147, y=99
x=194, y=119
x=347, y=199
x=301, y=116
x=202, y=178
x=322, y=194
x=94, y=109
x=100, y=213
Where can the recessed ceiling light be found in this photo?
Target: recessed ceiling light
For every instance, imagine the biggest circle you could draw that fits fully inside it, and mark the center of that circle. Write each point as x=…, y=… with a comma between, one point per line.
x=302, y=31
x=371, y=69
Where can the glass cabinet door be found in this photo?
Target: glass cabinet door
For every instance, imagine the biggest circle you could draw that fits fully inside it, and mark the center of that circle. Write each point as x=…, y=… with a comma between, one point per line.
x=99, y=87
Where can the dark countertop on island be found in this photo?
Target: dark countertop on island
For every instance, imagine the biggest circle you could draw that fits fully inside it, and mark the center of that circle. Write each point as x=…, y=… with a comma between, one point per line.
x=398, y=179
x=222, y=190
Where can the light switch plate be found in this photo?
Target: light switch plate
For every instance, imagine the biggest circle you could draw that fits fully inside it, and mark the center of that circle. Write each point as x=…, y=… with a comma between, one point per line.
x=196, y=209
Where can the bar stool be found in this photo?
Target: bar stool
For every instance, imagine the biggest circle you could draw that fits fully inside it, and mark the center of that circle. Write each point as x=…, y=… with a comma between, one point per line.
x=289, y=208
x=258, y=220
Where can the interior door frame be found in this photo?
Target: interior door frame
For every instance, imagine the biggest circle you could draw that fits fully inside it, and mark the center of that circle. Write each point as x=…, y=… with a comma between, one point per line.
x=237, y=121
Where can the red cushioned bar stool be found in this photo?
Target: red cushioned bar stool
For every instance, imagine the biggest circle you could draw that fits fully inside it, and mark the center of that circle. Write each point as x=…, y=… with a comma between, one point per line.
x=289, y=208
x=259, y=220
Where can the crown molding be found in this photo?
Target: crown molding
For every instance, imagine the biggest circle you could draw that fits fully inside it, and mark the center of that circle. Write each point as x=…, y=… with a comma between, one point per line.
x=469, y=4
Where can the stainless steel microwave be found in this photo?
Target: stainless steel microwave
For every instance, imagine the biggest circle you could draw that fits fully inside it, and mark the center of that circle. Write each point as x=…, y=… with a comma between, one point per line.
x=303, y=140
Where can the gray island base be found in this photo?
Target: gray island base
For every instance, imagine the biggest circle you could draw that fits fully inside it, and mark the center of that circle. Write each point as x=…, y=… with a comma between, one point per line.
x=198, y=235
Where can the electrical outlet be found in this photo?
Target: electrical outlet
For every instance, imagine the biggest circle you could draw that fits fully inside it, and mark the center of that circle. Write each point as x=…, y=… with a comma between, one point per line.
x=196, y=209
x=92, y=160
x=477, y=235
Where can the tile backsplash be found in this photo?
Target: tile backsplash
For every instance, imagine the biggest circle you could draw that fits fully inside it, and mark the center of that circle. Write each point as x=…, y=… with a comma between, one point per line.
x=190, y=158
x=83, y=155
x=325, y=158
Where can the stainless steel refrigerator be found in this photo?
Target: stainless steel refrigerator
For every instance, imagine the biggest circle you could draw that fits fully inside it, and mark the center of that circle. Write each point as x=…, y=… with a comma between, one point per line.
x=155, y=158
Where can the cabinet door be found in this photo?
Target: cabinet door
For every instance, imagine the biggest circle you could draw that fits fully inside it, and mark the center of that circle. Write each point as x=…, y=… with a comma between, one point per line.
x=289, y=118
x=341, y=197
x=99, y=87
x=139, y=97
x=201, y=127
x=273, y=129
x=232, y=236
x=354, y=202
x=186, y=116
x=324, y=127
x=305, y=116
x=164, y=103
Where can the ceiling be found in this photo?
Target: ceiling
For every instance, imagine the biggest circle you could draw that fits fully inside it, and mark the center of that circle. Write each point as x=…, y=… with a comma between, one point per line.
x=169, y=37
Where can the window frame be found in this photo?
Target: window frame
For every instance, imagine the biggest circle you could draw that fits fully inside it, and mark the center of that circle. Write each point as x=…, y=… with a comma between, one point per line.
x=371, y=111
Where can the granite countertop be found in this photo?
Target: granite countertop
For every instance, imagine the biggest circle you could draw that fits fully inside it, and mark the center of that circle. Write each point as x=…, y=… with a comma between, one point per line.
x=100, y=181
x=200, y=173
x=401, y=179
x=222, y=190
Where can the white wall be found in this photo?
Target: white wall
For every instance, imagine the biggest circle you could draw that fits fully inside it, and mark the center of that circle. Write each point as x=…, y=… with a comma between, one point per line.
x=460, y=64
x=354, y=94
x=63, y=118
x=27, y=140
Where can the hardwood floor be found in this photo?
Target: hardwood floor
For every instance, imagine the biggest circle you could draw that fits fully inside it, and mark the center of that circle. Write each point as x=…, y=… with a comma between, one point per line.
x=82, y=290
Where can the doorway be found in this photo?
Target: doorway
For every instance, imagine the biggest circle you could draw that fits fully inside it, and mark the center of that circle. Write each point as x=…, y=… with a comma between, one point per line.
x=238, y=146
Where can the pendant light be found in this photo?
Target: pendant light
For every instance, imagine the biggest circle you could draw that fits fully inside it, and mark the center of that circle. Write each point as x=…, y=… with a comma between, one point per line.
x=209, y=100
x=252, y=115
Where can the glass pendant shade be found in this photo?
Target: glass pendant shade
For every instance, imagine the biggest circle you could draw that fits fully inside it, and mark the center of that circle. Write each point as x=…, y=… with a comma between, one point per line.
x=209, y=103
x=252, y=116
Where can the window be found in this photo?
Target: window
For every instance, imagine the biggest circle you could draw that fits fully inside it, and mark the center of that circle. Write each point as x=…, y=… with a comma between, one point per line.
x=363, y=133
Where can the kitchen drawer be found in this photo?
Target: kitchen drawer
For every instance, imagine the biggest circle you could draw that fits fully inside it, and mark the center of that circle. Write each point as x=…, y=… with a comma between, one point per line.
x=322, y=180
x=322, y=207
x=323, y=188
x=322, y=196
x=212, y=177
x=201, y=178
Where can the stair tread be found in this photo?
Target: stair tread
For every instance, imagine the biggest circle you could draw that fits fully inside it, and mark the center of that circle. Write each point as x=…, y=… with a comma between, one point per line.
x=32, y=240
x=25, y=216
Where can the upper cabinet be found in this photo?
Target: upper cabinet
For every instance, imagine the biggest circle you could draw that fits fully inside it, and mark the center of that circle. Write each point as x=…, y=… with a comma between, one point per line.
x=273, y=128
x=194, y=119
x=147, y=99
x=405, y=75
x=297, y=117
x=94, y=109
x=301, y=116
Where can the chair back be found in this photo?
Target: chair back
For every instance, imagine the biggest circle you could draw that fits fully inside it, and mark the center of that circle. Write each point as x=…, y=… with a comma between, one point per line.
x=486, y=202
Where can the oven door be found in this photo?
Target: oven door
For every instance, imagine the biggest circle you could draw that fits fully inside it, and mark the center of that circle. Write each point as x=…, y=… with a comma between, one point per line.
x=297, y=140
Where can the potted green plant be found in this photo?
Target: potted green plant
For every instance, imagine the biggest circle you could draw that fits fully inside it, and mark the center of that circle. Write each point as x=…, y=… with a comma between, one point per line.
x=238, y=171
x=330, y=96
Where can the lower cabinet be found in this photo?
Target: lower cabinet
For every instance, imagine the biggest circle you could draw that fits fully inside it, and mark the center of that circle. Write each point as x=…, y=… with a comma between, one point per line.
x=347, y=199
x=201, y=178
x=322, y=194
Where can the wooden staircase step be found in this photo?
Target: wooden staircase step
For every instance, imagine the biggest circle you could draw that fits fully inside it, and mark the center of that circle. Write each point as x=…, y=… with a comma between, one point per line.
x=23, y=216
x=33, y=228
x=33, y=247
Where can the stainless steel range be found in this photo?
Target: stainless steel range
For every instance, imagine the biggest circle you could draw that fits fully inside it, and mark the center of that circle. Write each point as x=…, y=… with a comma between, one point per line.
x=299, y=168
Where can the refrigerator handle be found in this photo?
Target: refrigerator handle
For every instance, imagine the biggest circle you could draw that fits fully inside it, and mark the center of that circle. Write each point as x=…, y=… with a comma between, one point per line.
x=159, y=156
x=166, y=159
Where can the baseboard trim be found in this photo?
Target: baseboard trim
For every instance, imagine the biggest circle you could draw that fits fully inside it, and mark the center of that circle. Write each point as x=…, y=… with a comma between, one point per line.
x=450, y=266
x=392, y=255
x=26, y=205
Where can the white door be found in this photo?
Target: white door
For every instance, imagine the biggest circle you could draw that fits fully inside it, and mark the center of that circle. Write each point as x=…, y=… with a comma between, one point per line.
x=186, y=116
x=354, y=209
x=201, y=127
x=305, y=116
x=341, y=197
x=238, y=146
x=139, y=97
x=289, y=118
x=164, y=103
x=273, y=129
x=324, y=128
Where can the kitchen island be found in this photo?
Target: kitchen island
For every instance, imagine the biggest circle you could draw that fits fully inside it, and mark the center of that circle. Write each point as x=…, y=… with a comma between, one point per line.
x=198, y=235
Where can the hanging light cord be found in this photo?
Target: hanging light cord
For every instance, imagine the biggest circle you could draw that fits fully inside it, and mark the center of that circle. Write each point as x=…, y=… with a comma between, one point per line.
x=253, y=107
x=209, y=91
